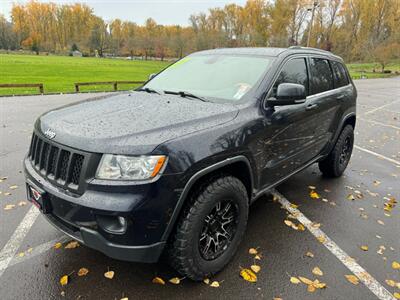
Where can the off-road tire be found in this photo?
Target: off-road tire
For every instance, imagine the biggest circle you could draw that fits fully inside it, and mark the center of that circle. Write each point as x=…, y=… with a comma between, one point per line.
x=183, y=249
x=334, y=165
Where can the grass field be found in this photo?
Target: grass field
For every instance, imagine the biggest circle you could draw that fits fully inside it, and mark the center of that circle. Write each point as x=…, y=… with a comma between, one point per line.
x=358, y=69
x=59, y=73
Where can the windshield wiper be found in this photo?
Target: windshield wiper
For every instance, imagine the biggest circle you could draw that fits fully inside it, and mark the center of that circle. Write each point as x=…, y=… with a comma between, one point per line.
x=186, y=94
x=149, y=90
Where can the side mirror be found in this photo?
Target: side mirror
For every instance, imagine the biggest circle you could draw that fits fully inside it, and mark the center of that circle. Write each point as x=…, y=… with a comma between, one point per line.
x=289, y=94
x=151, y=76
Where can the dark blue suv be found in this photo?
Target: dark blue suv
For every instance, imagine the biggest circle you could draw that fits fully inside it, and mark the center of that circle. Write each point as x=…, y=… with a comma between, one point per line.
x=174, y=165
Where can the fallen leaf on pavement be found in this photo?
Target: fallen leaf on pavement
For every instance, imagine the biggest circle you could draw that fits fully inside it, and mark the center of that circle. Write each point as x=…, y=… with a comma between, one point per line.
x=321, y=239
x=109, y=274
x=294, y=280
x=158, y=280
x=57, y=246
x=255, y=268
x=317, y=271
x=9, y=207
x=22, y=203
x=390, y=282
x=83, y=272
x=380, y=222
x=214, y=284
x=258, y=257
x=248, y=275
x=305, y=280
x=206, y=281
x=350, y=197
x=301, y=227
x=353, y=279
x=72, y=245
x=310, y=254
x=314, y=195
x=175, y=280
x=64, y=280
x=253, y=251
x=13, y=187
x=364, y=248
x=311, y=288
x=316, y=225
x=396, y=295
x=395, y=265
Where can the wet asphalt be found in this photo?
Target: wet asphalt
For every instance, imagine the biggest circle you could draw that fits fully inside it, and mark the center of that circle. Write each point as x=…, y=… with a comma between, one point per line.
x=350, y=224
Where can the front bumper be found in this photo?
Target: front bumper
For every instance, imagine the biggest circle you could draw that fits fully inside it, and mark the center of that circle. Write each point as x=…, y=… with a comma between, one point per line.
x=92, y=239
x=90, y=218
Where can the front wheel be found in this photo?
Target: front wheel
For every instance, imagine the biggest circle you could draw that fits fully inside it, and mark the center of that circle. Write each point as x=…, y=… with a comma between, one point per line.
x=337, y=161
x=210, y=229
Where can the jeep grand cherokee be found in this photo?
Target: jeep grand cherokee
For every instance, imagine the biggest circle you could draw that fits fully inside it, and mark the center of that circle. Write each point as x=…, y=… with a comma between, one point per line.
x=173, y=166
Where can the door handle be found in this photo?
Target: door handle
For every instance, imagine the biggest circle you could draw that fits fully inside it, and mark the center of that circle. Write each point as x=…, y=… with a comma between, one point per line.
x=341, y=97
x=311, y=106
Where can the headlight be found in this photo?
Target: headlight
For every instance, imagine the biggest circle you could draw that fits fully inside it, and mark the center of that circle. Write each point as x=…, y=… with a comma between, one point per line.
x=120, y=167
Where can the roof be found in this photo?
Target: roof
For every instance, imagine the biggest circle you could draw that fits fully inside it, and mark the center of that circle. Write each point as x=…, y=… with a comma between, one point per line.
x=264, y=51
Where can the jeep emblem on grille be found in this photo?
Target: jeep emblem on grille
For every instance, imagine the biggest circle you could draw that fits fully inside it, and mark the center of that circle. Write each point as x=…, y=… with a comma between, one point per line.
x=50, y=133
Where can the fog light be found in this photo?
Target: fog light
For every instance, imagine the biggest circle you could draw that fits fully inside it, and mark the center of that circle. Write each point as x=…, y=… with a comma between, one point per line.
x=111, y=224
x=122, y=221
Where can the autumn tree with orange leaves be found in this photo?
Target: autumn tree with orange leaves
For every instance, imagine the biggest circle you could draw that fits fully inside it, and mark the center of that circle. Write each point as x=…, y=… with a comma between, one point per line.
x=354, y=29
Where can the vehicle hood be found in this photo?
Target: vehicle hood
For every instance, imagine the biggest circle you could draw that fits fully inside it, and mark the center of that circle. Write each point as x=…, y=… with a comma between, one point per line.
x=131, y=123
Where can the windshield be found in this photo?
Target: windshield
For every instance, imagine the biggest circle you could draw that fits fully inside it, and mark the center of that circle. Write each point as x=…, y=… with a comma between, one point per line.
x=228, y=77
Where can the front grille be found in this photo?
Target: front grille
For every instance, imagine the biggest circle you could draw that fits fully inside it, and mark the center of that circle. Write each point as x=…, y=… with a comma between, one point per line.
x=59, y=164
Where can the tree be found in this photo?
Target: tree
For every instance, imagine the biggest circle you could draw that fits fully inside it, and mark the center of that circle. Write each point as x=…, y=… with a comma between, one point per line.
x=98, y=37
x=384, y=53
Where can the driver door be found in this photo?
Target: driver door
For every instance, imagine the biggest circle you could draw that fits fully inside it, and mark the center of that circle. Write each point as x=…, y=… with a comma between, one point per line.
x=289, y=131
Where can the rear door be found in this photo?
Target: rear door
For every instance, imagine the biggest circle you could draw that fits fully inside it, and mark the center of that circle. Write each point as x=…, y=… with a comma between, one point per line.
x=323, y=102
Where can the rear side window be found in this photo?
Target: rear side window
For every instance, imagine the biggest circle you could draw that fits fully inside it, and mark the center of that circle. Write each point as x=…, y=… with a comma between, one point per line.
x=339, y=74
x=321, y=74
x=294, y=71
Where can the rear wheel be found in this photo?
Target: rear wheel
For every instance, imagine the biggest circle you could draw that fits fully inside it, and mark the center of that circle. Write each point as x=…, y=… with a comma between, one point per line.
x=210, y=229
x=337, y=161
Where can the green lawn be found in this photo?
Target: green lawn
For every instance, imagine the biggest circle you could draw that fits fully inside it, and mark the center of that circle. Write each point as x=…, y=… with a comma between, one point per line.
x=59, y=73
x=358, y=69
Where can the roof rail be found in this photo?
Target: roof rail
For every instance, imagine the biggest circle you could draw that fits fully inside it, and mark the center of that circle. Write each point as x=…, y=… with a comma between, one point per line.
x=309, y=48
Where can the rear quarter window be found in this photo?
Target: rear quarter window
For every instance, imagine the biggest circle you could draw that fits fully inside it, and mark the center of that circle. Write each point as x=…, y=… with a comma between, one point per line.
x=339, y=74
x=321, y=75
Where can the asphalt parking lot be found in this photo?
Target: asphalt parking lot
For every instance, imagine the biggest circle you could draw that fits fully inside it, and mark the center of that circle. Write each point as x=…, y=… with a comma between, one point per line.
x=336, y=227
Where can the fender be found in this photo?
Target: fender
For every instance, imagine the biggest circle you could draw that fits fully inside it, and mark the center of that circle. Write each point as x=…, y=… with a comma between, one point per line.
x=190, y=183
x=337, y=133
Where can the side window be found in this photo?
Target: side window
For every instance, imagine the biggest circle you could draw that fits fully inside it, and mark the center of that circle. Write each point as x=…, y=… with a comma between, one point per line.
x=294, y=71
x=321, y=74
x=339, y=74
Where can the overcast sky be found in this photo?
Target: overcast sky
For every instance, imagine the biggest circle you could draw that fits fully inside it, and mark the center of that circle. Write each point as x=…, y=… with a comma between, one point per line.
x=165, y=12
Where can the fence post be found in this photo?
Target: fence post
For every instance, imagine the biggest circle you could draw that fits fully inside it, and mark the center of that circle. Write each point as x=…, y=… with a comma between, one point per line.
x=41, y=89
x=115, y=86
x=77, y=87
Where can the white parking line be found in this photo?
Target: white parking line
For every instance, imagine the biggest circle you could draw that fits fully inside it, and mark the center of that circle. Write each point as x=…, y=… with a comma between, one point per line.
x=379, y=123
x=380, y=107
x=13, y=244
x=371, y=283
x=38, y=250
x=378, y=155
